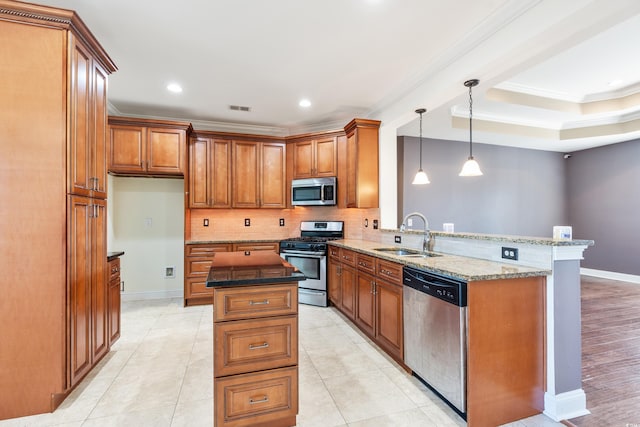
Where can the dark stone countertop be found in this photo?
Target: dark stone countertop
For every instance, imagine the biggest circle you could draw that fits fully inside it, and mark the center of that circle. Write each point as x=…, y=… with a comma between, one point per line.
x=113, y=255
x=250, y=268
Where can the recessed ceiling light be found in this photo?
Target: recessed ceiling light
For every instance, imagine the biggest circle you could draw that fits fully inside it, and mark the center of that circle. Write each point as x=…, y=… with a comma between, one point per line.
x=174, y=87
x=304, y=103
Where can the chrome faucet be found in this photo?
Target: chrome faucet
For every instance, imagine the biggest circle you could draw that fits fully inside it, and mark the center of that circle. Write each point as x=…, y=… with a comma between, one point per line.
x=427, y=241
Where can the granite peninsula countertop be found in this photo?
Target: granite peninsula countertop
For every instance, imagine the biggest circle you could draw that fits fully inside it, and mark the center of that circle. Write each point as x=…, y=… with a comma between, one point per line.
x=456, y=266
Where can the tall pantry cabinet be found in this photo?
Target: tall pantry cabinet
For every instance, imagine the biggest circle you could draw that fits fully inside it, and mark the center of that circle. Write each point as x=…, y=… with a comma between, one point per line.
x=53, y=144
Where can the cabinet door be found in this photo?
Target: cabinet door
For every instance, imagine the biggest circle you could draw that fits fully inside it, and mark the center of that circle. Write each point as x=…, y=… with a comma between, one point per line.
x=79, y=165
x=246, y=176
x=166, y=151
x=220, y=174
x=273, y=176
x=333, y=283
x=352, y=169
x=348, y=284
x=325, y=157
x=100, y=142
x=99, y=285
x=199, y=171
x=128, y=149
x=303, y=159
x=365, y=308
x=389, y=331
x=79, y=291
x=113, y=270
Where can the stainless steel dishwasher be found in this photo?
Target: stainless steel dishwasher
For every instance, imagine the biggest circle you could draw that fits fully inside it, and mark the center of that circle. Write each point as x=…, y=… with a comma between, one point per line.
x=435, y=332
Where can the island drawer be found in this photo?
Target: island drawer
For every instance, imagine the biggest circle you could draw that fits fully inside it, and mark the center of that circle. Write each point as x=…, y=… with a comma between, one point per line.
x=114, y=270
x=391, y=271
x=247, y=302
x=366, y=263
x=260, y=398
x=255, y=345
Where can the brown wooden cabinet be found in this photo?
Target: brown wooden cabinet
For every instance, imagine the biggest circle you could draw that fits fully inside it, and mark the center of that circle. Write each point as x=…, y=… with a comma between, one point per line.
x=315, y=157
x=259, y=174
x=52, y=170
x=255, y=355
x=113, y=270
x=143, y=147
x=362, y=163
x=342, y=280
x=379, y=305
x=197, y=262
x=88, y=300
x=209, y=173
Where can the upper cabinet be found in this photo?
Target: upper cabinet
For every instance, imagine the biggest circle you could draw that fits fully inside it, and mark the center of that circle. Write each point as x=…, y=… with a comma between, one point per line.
x=209, y=172
x=362, y=163
x=87, y=171
x=140, y=147
x=315, y=157
x=259, y=174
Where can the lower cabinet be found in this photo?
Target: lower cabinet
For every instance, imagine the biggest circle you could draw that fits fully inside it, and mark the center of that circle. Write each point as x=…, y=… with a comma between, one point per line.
x=255, y=355
x=197, y=262
x=373, y=296
x=114, y=300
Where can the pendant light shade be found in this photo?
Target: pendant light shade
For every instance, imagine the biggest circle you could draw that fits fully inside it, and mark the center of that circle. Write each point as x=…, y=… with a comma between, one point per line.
x=470, y=167
x=421, y=176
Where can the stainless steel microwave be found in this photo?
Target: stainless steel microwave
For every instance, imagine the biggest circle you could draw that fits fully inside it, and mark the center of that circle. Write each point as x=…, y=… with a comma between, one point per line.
x=314, y=191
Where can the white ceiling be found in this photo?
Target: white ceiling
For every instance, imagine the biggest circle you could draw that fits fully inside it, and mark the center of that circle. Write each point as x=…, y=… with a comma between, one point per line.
x=537, y=60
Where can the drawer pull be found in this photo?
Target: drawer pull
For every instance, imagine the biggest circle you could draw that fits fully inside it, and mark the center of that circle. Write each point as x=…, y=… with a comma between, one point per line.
x=263, y=400
x=264, y=302
x=257, y=346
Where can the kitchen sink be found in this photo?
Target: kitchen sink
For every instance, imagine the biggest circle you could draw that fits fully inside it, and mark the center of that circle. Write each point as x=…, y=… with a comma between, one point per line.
x=406, y=252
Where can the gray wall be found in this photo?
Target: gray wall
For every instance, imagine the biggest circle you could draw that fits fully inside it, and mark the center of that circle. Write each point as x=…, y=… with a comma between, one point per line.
x=522, y=191
x=603, y=193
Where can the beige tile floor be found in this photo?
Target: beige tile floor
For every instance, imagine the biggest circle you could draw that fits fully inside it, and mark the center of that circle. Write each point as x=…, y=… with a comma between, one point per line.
x=159, y=374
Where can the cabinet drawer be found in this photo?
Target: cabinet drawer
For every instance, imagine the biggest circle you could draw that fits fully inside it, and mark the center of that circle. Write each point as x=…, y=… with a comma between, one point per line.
x=334, y=252
x=205, y=250
x=241, y=302
x=114, y=270
x=269, y=246
x=254, y=345
x=197, y=287
x=348, y=257
x=366, y=263
x=258, y=398
x=391, y=271
x=198, y=267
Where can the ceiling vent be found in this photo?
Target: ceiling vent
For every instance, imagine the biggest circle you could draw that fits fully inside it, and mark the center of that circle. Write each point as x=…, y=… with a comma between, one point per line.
x=239, y=108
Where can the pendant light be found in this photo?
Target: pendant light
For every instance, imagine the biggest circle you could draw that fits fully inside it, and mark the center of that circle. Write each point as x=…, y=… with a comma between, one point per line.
x=421, y=177
x=470, y=167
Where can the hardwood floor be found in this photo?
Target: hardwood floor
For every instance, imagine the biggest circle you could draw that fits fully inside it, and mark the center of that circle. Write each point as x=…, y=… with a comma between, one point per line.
x=610, y=352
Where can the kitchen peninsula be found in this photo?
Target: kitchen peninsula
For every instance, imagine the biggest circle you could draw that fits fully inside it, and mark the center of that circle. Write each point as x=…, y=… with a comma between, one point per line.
x=255, y=338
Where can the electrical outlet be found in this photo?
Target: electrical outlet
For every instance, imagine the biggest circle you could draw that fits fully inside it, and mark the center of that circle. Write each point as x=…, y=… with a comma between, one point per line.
x=397, y=239
x=410, y=222
x=510, y=253
x=281, y=222
x=375, y=224
x=205, y=222
x=247, y=222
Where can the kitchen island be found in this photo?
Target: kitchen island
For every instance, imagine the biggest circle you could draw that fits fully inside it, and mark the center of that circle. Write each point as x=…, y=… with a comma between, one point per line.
x=255, y=339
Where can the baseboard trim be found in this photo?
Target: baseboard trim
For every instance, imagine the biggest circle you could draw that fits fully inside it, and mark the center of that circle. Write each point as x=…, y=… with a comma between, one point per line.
x=137, y=296
x=565, y=406
x=611, y=275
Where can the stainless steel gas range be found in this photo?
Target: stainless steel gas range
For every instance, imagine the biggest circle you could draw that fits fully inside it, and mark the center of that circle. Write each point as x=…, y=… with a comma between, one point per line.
x=309, y=253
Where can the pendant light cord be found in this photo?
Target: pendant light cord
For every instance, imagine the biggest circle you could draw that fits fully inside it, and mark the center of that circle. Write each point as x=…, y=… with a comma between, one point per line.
x=470, y=122
x=420, y=141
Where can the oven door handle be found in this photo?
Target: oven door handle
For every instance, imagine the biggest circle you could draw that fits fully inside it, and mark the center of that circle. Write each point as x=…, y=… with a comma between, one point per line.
x=308, y=254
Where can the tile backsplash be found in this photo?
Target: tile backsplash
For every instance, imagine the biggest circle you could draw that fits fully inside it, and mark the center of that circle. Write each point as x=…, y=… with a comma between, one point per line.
x=229, y=224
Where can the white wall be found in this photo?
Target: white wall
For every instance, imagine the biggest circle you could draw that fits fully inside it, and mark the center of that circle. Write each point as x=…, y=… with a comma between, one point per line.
x=146, y=221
